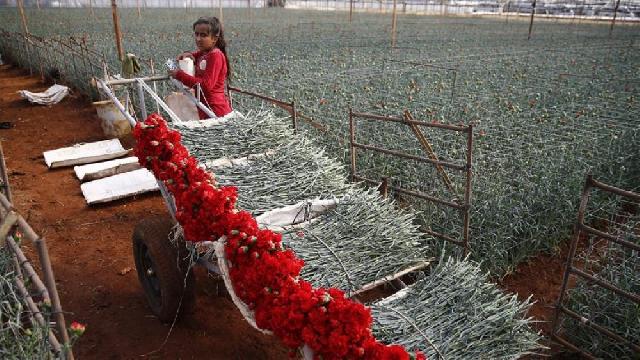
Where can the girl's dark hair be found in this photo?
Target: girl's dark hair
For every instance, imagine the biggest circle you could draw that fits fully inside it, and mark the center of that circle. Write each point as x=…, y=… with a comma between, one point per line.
x=215, y=29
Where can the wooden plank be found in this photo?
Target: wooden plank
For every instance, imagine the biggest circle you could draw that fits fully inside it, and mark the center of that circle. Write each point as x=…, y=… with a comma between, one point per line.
x=119, y=186
x=84, y=153
x=103, y=169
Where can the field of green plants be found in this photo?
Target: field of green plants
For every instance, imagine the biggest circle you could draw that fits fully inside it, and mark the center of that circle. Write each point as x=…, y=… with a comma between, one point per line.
x=545, y=111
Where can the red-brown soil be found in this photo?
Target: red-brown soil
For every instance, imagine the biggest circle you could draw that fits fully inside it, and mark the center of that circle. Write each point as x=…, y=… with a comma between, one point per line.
x=541, y=277
x=90, y=247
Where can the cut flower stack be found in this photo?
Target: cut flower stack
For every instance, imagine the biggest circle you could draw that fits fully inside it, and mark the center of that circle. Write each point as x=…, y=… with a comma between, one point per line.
x=265, y=276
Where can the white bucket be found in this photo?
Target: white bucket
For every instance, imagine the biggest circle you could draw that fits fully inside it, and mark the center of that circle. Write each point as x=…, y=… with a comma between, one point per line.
x=113, y=122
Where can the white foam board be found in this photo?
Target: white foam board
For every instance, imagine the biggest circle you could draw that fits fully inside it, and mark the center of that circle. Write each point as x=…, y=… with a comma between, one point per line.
x=84, y=153
x=119, y=186
x=103, y=169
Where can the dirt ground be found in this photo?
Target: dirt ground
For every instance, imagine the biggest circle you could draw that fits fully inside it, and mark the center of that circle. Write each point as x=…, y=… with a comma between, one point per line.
x=541, y=277
x=90, y=248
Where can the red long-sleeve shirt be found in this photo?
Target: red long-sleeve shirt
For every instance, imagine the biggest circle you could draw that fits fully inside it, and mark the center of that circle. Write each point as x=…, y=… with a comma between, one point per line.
x=211, y=73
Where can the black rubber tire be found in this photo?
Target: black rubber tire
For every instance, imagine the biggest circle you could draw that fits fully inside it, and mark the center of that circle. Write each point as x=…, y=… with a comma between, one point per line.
x=162, y=268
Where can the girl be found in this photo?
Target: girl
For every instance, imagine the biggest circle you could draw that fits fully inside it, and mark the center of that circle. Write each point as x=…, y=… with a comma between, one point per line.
x=211, y=64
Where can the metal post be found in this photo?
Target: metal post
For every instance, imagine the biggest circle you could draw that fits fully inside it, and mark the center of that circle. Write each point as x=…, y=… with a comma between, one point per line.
x=116, y=28
x=533, y=11
x=228, y=93
x=143, y=106
x=155, y=87
x=25, y=32
x=453, y=86
x=73, y=61
x=294, y=116
x=384, y=187
x=87, y=71
x=613, y=22
x=508, y=11
x=25, y=29
x=350, y=10
x=394, y=20
x=221, y=17
x=572, y=252
x=467, y=191
x=352, y=148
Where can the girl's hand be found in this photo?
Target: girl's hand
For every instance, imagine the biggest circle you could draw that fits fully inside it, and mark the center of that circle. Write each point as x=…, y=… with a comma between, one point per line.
x=186, y=55
x=172, y=73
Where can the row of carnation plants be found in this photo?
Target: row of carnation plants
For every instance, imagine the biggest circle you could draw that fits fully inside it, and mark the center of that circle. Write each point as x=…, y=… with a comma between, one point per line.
x=265, y=275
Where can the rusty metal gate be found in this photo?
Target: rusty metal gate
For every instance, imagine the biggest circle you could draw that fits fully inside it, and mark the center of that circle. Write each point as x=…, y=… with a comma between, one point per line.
x=576, y=269
x=464, y=206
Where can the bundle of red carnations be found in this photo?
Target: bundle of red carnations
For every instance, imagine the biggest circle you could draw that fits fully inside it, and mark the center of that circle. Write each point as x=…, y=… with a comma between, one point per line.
x=264, y=275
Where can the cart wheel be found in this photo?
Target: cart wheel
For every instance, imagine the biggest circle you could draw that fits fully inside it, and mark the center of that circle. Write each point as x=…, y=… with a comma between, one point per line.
x=162, y=268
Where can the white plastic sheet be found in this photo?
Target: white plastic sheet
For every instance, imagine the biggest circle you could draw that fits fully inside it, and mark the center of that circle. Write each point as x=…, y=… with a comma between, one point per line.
x=51, y=96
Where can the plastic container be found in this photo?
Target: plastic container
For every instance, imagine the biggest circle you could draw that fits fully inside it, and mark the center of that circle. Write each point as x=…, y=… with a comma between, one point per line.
x=187, y=66
x=113, y=122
